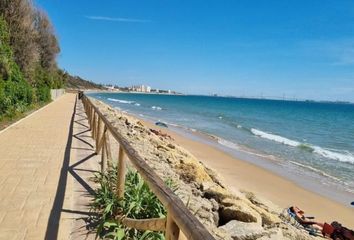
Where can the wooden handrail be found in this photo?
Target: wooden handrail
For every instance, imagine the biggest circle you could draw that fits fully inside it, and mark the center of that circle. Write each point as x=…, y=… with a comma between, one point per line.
x=179, y=218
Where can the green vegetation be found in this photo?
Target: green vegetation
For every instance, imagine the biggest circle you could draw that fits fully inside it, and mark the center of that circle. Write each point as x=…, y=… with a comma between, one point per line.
x=28, y=51
x=76, y=82
x=138, y=203
x=15, y=93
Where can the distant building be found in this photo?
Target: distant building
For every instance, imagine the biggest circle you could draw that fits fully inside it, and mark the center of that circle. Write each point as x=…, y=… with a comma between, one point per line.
x=141, y=88
x=110, y=87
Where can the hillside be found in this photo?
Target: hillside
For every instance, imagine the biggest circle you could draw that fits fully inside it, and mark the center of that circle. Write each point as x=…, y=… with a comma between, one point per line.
x=79, y=83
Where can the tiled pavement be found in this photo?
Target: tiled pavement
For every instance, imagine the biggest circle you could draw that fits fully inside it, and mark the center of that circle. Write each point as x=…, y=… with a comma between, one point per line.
x=46, y=161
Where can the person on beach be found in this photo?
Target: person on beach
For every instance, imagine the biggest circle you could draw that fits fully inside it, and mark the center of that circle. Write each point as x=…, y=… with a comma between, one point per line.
x=334, y=230
x=341, y=233
x=305, y=221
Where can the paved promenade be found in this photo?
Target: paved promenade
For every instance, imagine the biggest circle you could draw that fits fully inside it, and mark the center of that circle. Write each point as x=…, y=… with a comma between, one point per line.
x=46, y=161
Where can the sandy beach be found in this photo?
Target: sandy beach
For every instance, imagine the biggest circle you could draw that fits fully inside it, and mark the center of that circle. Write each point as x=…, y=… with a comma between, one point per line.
x=246, y=176
x=227, y=195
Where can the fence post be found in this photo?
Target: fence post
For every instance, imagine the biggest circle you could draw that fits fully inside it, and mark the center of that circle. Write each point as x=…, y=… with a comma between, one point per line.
x=88, y=111
x=92, y=111
x=121, y=173
x=98, y=133
x=94, y=125
x=108, y=148
x=103, y=153
x=172, y=230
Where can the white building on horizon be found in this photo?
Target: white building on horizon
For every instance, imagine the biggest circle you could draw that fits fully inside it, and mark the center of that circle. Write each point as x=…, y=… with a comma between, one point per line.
x=141, y=88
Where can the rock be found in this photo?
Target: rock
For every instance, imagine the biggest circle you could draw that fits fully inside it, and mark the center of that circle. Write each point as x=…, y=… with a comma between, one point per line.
x=202, y=209
x=192, y=171
x=274, y=234
x=221, y=234
x=267, y=217
x=140, y=124
x=215, y=192
x=263, y=203
x=171, y=146
x=240, y=212
x=291, y=232
x=215, y=205
x=228, y=202
x=215, y=177
x=161, y=147
x=243, y=231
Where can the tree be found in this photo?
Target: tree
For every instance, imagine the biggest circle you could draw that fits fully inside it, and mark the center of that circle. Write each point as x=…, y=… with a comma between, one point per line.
x=19, y=15
x=15, y=93
x=46, y=41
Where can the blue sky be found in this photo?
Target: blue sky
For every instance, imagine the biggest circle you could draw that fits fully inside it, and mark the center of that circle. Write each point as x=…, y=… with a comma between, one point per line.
x=302, y=49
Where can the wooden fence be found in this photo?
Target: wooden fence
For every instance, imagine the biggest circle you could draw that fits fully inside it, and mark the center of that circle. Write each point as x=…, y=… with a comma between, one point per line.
x=179, y=223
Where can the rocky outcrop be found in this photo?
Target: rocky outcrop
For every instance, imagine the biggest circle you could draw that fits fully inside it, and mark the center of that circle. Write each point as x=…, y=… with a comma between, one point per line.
x=227, y=214
x=244, y=231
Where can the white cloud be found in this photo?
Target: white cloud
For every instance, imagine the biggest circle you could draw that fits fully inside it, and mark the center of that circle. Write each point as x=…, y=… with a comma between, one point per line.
x=118, y=19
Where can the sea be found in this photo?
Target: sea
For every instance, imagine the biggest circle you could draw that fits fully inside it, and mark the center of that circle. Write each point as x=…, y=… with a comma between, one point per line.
x=310, y=143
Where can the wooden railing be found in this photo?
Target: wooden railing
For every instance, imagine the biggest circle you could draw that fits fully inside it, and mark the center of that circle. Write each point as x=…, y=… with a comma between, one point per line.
x=179, y=223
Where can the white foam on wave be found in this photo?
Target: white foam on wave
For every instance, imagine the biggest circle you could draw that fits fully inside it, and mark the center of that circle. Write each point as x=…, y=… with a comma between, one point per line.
x=228, y=143
x=275, y=138
x=119, y=100
x=315, y=170
x=137, y=104
x=330, y=154
x=156, y=108
x=343, y=157
x=173, y=124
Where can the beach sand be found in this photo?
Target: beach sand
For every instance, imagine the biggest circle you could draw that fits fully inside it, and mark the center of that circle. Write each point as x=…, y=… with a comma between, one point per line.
x=243, y=175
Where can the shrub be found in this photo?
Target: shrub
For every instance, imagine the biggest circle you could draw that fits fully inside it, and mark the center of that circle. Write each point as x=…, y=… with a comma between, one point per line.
x=138, y=203
x=15, y=93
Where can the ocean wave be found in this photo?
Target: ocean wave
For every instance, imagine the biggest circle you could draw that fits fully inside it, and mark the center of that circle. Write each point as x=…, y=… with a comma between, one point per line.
x=119, y=100
x=316, y=170
x=156, y=108
x=275, y=138
x=137, y=104
x=342, y=156
x=173, y=124
x=227, y=143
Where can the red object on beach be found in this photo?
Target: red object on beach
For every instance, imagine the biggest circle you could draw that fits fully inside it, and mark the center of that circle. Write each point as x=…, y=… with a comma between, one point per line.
x=327, y=229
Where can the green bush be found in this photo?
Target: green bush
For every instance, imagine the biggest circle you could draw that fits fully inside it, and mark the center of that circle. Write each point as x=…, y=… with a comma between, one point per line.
x=43, y=94
x=15, y=93
x=138, y=203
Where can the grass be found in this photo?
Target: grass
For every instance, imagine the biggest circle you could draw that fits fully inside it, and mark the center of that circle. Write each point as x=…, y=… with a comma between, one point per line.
x=14, y=116
x=138, y=203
